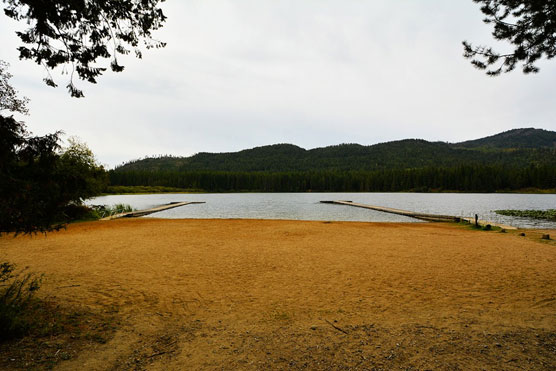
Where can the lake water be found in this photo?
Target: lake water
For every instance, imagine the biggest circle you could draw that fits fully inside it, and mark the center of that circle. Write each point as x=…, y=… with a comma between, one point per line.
x=307, y=206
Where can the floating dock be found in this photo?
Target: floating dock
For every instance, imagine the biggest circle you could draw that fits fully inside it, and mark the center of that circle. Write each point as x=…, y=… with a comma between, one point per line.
x=138, y=213
x=421, y=216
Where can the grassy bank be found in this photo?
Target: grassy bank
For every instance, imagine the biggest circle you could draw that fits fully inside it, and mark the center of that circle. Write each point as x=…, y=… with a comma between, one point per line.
x=125, y=190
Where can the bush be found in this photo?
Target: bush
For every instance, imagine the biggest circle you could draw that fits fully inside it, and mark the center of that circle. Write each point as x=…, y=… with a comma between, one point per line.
x=79, y=213
x=16, y=294
x=104, y=211
x=39, y=182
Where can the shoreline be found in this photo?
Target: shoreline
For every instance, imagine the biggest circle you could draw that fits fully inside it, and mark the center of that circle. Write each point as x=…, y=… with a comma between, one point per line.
x=303, y=206
x=249, y=293
x=522, y=191
x=465, y=224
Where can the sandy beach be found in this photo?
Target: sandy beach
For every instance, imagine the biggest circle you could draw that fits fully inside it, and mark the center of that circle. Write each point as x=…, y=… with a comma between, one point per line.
x=261, y=294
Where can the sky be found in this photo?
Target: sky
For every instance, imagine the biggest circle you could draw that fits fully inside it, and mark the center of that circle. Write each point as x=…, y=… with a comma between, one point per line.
x=246, y=73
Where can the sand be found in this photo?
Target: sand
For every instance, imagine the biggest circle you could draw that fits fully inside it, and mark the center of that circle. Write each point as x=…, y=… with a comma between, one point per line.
x=254, y=294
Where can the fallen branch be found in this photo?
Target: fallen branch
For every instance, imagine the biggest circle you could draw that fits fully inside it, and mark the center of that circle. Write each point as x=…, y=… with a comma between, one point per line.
x=67, y=287
x=157, y=354
x=336, y=327
x=163, y=351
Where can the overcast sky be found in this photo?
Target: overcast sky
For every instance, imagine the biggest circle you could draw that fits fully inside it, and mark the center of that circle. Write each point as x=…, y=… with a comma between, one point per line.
x=245, y=73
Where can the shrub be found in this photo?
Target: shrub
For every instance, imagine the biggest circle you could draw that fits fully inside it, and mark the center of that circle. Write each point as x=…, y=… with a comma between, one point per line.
x=104, y=211
x=16, y=294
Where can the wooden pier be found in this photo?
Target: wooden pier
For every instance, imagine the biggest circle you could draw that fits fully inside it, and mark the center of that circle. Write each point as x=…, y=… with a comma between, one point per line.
x=486, y=222
x=421, y=216
x=138, y=213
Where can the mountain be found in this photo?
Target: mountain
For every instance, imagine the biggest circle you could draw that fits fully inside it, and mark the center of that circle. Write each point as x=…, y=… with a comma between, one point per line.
x=516, y=138
x=515, y=148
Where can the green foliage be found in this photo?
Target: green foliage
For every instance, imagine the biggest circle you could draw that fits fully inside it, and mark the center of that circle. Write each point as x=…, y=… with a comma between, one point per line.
x=8, y=95
x=16, y=294
x=80, y=213
x=82, y=175
x=517, y=148
x=486, y=165
x=103, y=211
x=465, y=178
x=80, y=33
x=39, y=183
x=516, y=138
x=119, y=208
x=529, y=26
x=146, y=189
x=29, y=192
x=549, y=214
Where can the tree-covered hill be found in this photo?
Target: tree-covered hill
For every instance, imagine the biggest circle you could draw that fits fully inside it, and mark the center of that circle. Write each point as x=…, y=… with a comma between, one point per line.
x=515, y=160
x=516, y=138
x=515, y=148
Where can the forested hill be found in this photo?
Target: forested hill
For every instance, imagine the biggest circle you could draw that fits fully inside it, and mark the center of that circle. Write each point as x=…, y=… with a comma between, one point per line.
x=516, y=148
x=516, y=138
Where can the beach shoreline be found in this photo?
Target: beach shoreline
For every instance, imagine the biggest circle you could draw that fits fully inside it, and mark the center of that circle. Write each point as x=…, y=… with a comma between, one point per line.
x=251, y=294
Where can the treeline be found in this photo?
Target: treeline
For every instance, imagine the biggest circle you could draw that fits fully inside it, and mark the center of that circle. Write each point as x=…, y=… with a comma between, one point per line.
x=465, y=178
x=411, y=153
x=43, y=185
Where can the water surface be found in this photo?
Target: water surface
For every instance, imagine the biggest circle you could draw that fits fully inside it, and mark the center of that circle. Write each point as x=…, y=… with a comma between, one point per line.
x=307, y=206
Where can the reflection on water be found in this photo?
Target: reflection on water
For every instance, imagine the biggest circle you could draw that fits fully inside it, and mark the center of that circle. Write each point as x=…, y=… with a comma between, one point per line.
x=307, y=206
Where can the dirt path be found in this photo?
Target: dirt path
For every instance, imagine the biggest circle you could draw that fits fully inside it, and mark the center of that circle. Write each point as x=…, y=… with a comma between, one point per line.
x=247, y=294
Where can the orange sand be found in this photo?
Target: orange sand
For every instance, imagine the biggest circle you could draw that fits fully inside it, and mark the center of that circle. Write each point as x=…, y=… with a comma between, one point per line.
x=253, y=294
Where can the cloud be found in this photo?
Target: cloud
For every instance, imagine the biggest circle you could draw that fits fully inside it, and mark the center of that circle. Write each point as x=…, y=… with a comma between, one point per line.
x=237, y=74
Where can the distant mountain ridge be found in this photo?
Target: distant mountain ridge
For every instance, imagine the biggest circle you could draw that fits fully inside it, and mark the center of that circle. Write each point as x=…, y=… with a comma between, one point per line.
x=516, y=138
x=516, y=148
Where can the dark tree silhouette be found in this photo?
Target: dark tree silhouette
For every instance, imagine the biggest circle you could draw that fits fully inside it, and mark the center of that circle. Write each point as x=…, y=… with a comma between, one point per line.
x=40, y=187
x=530, y=26
x=39, y=184
x=27, y=203
x=80, y=32
x=9, y=100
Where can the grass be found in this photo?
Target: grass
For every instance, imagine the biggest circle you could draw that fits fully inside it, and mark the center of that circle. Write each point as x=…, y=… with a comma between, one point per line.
x=533, y=190
x=487, y=228
x=138, y=189
x=549, y=214
x=103, y=211
x=83, y=213
x=111, y=190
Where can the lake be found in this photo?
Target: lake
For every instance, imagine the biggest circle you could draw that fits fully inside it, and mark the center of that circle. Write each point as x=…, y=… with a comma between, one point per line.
x=307, y=206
